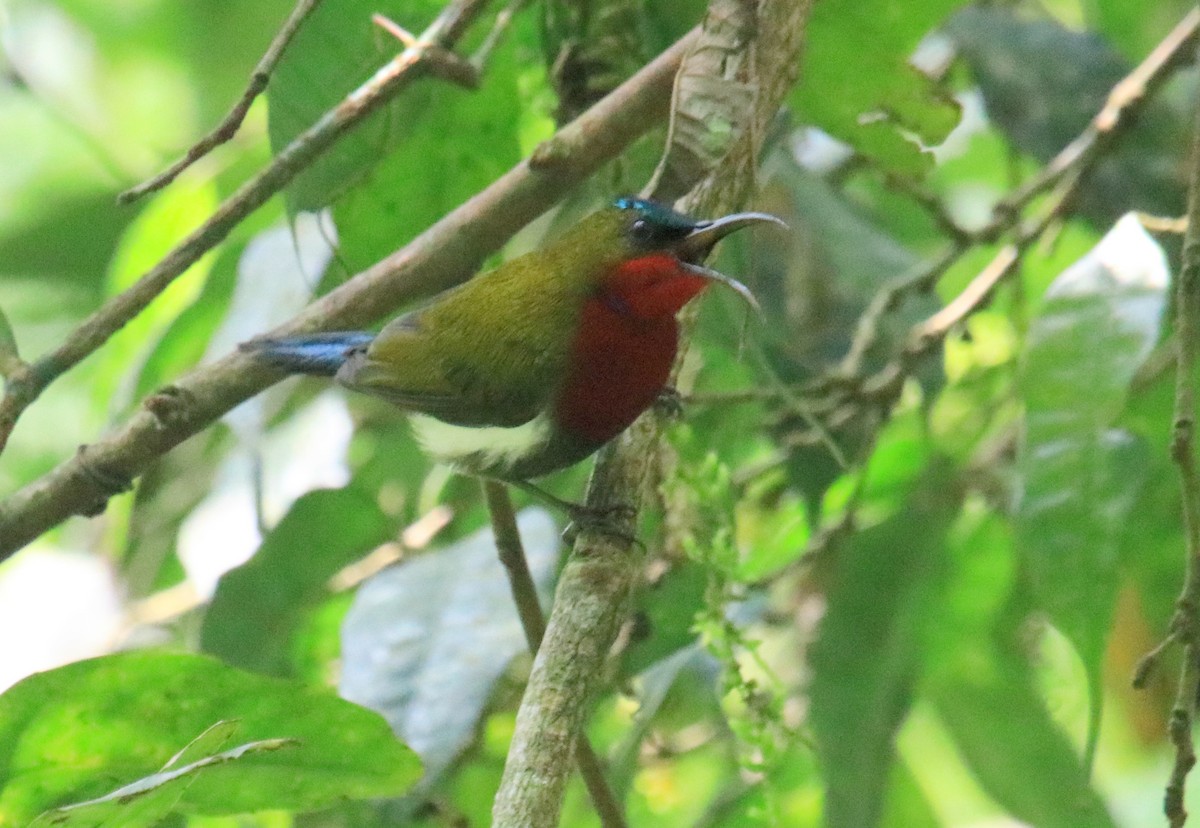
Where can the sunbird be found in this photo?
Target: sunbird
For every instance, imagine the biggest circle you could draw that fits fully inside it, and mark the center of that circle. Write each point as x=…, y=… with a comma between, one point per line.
x=533, y=366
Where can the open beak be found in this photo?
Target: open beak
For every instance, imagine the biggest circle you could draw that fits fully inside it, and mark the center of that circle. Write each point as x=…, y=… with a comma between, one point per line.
x=694, y=248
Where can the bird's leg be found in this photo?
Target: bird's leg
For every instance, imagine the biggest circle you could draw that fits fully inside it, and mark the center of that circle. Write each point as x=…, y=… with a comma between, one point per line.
x=609, y=520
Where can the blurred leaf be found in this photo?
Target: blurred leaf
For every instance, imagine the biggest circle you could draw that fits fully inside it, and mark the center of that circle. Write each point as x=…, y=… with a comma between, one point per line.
x=186, y=338
x=1135, y=28
x=870, y=98
x=869, y=652
x=982, y=684
x=258, y=605
x=1079, y=476
x=653, y=686
x=65, y=237
x=425, y=641
x=1012, y=745
x=449, y=144
x=905, y=805
x=336, y=49
x=170, y=216
x=815, y=283
x=665, y=616
x=68, y=734
x=1042, y=83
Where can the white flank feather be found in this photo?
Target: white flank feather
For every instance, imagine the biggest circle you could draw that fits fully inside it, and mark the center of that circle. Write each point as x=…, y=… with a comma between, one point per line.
x=489, y=446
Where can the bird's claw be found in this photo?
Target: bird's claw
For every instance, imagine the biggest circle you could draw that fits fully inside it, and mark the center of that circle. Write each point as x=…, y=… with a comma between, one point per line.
x=613, y=521
x=669, y=403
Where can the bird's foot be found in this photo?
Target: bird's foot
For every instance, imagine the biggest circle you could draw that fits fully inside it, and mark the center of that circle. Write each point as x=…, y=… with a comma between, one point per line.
x=669, y=403
x=611, y=520
x=615, y=521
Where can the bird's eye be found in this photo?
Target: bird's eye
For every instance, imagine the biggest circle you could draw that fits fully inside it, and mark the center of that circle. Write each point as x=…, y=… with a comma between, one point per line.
x=642, y=231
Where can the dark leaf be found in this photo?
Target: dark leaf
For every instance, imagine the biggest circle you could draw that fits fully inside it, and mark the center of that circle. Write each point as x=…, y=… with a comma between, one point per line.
x=425, y=641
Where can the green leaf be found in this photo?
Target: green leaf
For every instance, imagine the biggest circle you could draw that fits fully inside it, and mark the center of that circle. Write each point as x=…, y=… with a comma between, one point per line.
x=869, y=652
x=1012, y=745
x=982, y=684
x=449, y=144
x=666, y=616
x=424, y=642
x=869, y=97
x=1079, y=477
x=336, y=49
x=72, y=734
x=258, y=605
x=169, y=217
x=653, y=685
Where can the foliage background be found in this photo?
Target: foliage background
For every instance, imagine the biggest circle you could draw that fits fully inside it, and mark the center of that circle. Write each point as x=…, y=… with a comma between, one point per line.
x=1016, y=543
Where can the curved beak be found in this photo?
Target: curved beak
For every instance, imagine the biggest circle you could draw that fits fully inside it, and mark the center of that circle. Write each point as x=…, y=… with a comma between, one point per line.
x=696, y=245
x=694, y=248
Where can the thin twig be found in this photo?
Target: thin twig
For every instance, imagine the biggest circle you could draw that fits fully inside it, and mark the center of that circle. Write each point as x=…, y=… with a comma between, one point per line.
x=24, y=386
x=533, y=622
x=232, y=122
x=1185, y=626
x=442, y=256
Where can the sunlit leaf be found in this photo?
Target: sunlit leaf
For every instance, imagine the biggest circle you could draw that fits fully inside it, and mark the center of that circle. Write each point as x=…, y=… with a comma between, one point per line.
x=1079, y=477
x=147, y=801
x=78, y=732
x=168, y=218
x=425, y=641
x=869, y=97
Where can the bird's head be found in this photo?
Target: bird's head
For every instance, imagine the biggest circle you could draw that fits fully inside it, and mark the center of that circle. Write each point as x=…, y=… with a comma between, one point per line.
x=650, y=258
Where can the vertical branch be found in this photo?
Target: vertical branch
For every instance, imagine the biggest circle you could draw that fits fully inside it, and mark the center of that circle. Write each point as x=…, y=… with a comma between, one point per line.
x=1186, y=624
x=594, y=589
x=524, y=590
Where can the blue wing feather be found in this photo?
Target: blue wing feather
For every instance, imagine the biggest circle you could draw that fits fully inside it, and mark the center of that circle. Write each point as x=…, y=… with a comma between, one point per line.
x=320, y=354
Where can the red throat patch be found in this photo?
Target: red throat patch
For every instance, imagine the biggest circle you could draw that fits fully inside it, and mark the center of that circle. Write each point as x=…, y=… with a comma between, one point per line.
x=625, y=346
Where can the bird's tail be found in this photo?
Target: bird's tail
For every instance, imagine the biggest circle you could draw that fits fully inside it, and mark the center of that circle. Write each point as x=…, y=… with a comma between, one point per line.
x=321, y=354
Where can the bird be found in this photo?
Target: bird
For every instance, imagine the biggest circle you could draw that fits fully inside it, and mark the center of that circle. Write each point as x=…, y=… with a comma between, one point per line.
x=533, y=366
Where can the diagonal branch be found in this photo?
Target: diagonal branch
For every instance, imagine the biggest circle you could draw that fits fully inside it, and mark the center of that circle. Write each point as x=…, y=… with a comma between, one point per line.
x=442, y=256
x=26, y=384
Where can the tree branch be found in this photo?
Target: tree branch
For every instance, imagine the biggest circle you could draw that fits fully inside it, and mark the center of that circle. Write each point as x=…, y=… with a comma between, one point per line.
x=444, y=255
x=533, y=622
x=27, y=383
x=593, y=590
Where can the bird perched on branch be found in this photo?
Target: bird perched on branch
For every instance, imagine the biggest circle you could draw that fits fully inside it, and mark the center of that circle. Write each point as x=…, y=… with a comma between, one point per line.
x=533, y=366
